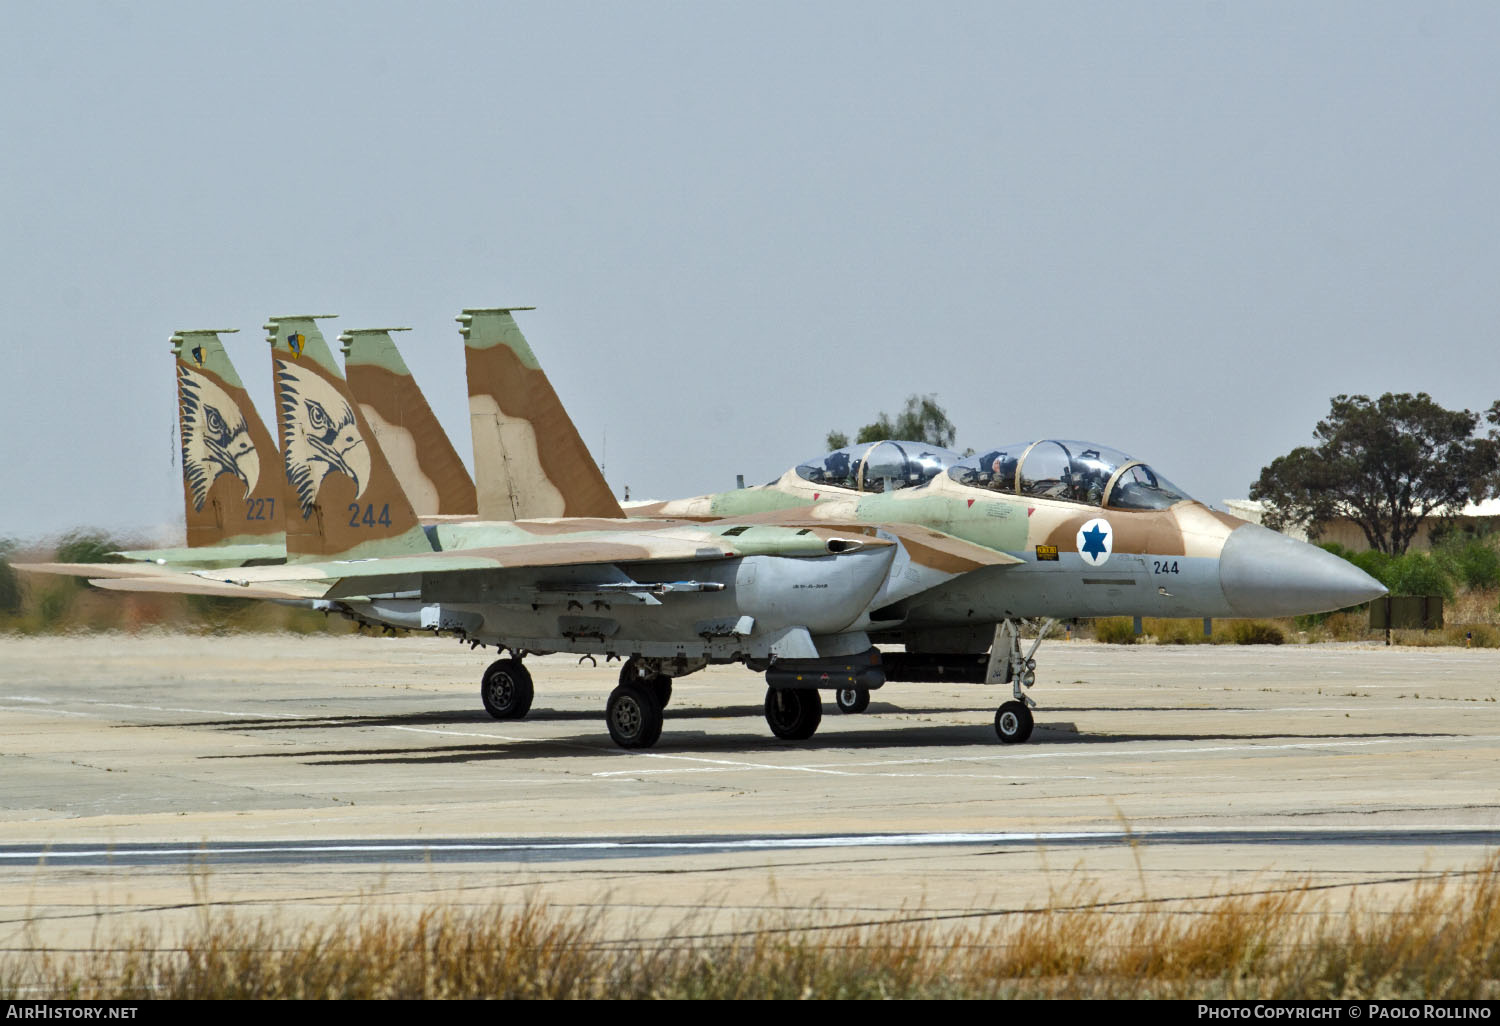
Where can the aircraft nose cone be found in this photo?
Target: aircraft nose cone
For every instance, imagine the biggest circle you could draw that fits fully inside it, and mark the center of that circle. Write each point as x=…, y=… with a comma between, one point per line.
x=1264, y=573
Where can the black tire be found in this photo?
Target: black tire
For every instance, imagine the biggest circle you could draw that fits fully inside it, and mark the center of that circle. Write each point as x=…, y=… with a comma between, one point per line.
x=852, y=700
x=633, y=672
x=1013, y=723
x=506, y=690
x=633, y=716
x=793, y=713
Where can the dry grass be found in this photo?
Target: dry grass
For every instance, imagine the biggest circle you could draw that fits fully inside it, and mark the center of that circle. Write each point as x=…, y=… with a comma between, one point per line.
x=1441, y=941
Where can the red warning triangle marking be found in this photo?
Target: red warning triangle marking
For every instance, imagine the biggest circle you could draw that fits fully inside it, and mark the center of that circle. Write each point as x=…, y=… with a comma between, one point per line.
x=815, y=496
x=1030, y=510
x=971, y=502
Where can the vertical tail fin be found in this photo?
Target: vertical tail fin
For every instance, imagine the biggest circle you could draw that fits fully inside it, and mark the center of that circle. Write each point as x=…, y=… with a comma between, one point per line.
x=407, y=431
x=232, y=491
x=528, y=458
x=343, y=498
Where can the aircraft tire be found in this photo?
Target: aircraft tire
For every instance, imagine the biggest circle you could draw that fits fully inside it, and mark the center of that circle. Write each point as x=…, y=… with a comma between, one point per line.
x=633, y=716
x=506, y=690
x=659, y=683
x=1013, y=723
x=793, y=713
x=852, y=700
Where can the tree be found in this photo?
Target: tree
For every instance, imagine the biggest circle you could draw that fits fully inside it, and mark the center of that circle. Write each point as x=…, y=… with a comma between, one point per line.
x=87, y=547
x=10, y=588
x=1386, y=464
x=923, y=420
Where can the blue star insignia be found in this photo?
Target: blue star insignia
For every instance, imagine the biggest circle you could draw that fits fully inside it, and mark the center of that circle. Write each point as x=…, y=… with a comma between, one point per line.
x=1093, y=541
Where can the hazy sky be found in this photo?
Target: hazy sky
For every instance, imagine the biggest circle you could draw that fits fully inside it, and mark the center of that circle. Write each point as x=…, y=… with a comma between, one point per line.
x=1176, y=229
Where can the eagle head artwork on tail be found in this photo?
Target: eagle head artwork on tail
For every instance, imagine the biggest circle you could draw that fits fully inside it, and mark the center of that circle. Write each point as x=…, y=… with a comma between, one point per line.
x=215, y=436
x=322, y=436
x=351, y=504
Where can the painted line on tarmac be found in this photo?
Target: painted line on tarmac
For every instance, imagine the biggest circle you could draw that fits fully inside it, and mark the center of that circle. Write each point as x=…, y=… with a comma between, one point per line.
x=578, y=849
x=733, y=765
x=52, y=706
x=685, y=770
x=1071, y=752
x=851, y=769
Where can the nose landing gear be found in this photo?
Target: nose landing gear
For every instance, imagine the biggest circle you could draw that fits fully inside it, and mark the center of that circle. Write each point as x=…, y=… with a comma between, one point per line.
x=1013, y=720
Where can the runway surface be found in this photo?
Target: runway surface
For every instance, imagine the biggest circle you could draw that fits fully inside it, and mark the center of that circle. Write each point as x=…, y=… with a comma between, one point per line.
x=146, y=779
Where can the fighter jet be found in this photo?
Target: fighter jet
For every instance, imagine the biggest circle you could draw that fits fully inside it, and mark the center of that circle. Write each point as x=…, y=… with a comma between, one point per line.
x=952, y=565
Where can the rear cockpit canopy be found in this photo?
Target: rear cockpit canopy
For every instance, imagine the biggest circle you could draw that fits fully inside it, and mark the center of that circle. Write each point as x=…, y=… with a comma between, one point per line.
x=878, y=466
x=1071, y=471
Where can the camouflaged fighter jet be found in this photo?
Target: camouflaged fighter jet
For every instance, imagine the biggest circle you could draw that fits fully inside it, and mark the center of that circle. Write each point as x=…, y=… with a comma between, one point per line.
x=950, y=566
x=1175, y=559
x=680, y=595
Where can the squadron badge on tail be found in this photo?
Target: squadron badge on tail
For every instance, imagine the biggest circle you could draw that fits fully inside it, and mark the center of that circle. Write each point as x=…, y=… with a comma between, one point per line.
x=322, y=437
x=215, y=437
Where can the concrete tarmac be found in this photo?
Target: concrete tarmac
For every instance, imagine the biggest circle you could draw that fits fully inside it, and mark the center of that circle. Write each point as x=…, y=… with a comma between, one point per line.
x=147, y=779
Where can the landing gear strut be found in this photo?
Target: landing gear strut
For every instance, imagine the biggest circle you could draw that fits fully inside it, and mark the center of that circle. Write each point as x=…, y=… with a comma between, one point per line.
x=506, y=690
x=649, y=676
x=1013, y=720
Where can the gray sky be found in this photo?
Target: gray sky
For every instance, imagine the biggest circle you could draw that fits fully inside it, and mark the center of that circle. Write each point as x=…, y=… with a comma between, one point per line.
x=1176, y=229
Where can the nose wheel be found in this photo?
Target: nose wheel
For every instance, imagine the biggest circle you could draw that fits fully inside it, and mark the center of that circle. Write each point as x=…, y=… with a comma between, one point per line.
x=1013, y=723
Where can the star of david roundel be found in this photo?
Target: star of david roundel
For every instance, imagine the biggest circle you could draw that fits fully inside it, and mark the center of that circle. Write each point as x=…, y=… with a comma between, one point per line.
x=1096, y=540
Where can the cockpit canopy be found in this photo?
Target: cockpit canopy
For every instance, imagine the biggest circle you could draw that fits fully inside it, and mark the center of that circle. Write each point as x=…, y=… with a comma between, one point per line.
x=1068, y=470
x=878, y=466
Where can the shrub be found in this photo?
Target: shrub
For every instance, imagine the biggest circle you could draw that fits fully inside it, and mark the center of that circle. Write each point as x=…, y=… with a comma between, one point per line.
x=1117, y=630
x=1175, y=632
x=1255, y=632
x=1477, y=635
x=1416, y=573
x=1376, y=564
x=1472, y=562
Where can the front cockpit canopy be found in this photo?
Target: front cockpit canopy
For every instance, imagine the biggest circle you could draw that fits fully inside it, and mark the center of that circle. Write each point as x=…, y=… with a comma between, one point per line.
x=1068, y=470
x=878, y=466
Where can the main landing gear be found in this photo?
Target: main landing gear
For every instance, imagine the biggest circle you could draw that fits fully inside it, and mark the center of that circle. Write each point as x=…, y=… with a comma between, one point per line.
x=506, y=690
x=1013, y=720
x=794, y=713
x=633, y=712
x=634, y=716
